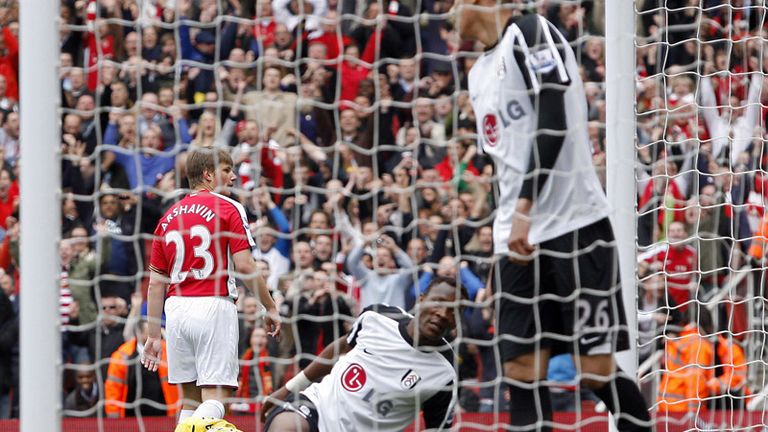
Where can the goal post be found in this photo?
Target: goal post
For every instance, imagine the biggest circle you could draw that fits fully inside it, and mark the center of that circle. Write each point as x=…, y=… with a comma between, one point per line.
x=620, y=155
x=40, y=338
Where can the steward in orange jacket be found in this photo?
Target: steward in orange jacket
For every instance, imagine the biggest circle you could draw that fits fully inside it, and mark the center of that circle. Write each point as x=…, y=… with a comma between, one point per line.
x=121, y=381
x=731, y=372
x=688, y=361
x=757, y=247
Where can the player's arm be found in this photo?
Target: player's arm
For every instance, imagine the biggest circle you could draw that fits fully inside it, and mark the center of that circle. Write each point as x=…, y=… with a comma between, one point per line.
x=551, y=129
x=543, y=64
x=322, y=365
x=241, y=246
x=254, y=281
x=314, y=372
x=158, y=284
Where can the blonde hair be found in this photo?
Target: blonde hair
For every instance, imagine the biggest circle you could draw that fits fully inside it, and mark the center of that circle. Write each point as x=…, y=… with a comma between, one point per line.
x=203, y=141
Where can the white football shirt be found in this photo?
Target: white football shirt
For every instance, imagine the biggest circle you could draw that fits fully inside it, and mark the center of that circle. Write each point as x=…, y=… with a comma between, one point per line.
x=504, y=84
x=384, y=382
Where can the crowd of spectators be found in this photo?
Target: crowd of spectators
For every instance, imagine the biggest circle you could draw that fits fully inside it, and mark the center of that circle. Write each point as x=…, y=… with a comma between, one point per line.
x=701, y=146
x=353, y=138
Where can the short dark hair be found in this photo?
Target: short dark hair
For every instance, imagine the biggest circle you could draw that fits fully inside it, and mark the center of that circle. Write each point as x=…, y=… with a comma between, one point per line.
x=437, y=280
x=105, y=195
x=76, y=225
x=204, y=159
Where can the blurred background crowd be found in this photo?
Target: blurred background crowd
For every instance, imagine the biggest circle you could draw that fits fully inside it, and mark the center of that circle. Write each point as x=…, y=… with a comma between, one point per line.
x=354, y=143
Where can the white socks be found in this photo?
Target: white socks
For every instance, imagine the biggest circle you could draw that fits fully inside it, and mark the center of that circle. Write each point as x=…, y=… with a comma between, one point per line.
x=185, y=414
x=210, y=408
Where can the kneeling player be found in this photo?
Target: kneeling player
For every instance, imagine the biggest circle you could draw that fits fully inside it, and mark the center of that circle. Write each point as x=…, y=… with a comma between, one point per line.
x=395, y=365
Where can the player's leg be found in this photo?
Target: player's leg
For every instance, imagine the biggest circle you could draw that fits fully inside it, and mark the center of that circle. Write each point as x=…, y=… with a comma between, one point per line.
x=529, y=401
x=216, y=355
x=617, y=390
x=287, y=421
x=600, y=326
x=192, y=399
x=524, y=360
x=181, y=355
x=295, y=414
x=213, y=398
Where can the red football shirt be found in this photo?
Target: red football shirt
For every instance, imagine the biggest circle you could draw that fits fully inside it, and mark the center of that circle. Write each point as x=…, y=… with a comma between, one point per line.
x=194, y=242
x=679, y=267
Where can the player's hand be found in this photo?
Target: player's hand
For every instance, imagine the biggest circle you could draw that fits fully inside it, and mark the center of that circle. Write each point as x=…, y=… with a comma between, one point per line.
x=270, y=401
x=518, y=240
x=272, y=323
x=153, y=350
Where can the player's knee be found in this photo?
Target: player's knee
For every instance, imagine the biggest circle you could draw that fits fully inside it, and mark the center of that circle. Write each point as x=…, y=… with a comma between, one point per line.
x=524, y=369
x=597, y=370
x=288, y=422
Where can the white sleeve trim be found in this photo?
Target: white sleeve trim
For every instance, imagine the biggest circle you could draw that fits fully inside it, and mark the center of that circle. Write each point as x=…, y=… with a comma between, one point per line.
x=243, y=217
x=518, y=35
x=555, y=53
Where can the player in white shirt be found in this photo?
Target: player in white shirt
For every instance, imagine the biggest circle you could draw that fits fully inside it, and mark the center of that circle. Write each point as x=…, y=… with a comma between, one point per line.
x=558, y=269
x=390, y=367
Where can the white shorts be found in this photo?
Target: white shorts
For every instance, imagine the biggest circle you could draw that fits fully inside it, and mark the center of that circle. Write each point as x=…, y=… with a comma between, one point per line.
x=202, y=337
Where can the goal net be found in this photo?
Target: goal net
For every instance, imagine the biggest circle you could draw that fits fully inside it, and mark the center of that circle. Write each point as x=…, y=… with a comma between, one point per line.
x=700, y=211
x=353, y=142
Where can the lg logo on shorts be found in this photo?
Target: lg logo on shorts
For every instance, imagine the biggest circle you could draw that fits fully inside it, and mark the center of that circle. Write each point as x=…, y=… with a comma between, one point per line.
x=353, y=379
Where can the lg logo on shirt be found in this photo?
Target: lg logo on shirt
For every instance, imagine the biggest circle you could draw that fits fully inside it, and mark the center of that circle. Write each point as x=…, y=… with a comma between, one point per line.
x=490, y=129
x=353, y=379
x=491, y=125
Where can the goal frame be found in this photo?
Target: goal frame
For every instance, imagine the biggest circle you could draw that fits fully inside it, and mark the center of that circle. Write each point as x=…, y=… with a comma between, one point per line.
x=39, y=326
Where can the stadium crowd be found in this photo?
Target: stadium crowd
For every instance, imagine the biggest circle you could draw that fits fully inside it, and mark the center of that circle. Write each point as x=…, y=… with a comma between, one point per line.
x=354, y=143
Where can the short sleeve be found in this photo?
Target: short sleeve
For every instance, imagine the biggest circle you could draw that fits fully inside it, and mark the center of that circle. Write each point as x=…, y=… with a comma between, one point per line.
x=238, y=226
x=355, y=331
x=438, y=410
x=391, y=312
x=539, y=50
x=158, y=262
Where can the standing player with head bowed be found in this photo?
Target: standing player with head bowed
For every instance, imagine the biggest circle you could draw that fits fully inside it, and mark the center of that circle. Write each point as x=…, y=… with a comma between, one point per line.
x=198, y=243
x=558, y=275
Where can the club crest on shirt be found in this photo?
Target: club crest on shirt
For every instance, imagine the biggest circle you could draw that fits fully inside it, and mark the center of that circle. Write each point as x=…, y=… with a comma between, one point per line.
x=410, y=379
x=354, y=377
x=491, y=129
x=542, y=61
x=305, y=411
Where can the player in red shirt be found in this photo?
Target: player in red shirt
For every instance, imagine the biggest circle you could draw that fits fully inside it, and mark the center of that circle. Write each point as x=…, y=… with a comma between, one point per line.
x=196, y=243
x=677, y=261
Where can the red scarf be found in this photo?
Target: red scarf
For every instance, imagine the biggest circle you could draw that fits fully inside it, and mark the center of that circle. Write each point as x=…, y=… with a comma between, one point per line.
x=243, y=390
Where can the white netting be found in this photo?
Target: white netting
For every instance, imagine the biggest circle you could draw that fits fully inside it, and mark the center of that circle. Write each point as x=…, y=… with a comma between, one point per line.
x=144, y=80
x=700, y=129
